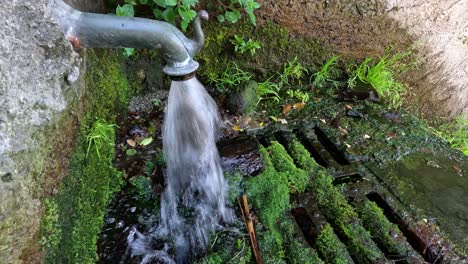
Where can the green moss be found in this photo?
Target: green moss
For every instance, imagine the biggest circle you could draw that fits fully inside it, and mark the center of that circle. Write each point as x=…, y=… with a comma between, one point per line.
x=268, y=192
x=297, y=250
x=270, y=246
x=50, y=227
x=278, y=47
x=79, y=207
x=337, y=210
x=297, y=178
x=386, y=234
x=331, y=248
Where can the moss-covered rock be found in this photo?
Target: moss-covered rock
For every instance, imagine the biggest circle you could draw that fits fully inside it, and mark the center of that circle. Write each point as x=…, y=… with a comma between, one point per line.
x=74, y=217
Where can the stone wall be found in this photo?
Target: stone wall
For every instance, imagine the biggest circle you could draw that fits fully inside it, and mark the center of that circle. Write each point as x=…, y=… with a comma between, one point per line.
x=40, y=87
x=357, y=29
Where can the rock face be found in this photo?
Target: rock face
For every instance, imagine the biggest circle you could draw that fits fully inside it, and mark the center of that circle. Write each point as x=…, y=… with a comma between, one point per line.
x=358, y=29
x=39, y=81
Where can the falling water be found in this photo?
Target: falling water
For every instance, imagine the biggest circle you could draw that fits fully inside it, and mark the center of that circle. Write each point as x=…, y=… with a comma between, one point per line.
x=193, y=204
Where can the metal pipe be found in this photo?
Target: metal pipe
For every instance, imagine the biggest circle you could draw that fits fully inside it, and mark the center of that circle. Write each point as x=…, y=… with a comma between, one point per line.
x=110, y=31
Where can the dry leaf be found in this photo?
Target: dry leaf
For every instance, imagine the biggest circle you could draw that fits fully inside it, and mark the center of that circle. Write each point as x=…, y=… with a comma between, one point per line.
x=131, y=142
x=287, y=109
x=317, y=99
x=343, y=131
x=323, y=121
x=299, y=105
x=348, y=107
x=283, y=121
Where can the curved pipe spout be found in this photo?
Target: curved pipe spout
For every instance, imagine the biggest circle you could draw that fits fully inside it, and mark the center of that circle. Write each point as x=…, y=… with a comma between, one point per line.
x=110, y=31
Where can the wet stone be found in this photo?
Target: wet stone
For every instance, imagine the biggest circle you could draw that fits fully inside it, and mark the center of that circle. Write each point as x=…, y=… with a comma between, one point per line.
x=240, y=154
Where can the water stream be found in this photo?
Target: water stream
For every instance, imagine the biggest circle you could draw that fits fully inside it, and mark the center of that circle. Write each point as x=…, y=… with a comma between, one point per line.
x=193, y=205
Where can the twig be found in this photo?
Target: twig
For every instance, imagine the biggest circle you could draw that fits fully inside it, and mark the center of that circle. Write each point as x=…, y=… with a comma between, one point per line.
x=250, y=229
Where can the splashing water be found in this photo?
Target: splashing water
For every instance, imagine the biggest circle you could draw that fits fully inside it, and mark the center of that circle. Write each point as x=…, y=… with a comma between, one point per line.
x=193, y=204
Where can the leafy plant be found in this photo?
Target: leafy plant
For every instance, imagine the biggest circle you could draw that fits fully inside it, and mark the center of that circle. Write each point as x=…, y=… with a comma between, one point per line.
x=293, y=70
x=242, y=46
x=298, y=94
x=326, y=72
x=126, y=10
x=232, y=10
x=268, y=90
x=99, y=135
x=382, y=76
x=231, y=78
x=455, y=133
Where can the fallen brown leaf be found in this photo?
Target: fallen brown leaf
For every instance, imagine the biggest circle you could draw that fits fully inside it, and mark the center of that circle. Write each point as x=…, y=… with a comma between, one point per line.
x=131, y=143
x=299, y=105
x=287, y=109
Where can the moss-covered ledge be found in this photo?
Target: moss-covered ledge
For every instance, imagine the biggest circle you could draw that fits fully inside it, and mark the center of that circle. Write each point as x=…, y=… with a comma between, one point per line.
x=73, y=218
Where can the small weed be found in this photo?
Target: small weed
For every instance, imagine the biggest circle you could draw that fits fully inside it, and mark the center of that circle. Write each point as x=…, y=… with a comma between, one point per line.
x=300, y=95
x=293, y=70
x=241, y=46
x=232, y=12
x=326, y=73
x=100, y=135
x=231, y=78
x=455, y=133
x=268, y=90
x=382, y=76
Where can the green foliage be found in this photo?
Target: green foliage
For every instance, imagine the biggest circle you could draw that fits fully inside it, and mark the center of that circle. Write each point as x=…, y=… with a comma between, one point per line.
x=232, y=10
x=182, y=12
x=292, y=71
x=241, y=46
x=231, y=78
x=385, y=233
x=455, y=133
x=128, y=11
x=331, y=248
x=99, y=135
x=326, y=72
x=382, y=76
x=268, y=90
x=298, y=94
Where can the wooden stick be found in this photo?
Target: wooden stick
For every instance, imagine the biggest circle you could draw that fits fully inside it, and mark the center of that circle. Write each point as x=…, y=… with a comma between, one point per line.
x=251, y=230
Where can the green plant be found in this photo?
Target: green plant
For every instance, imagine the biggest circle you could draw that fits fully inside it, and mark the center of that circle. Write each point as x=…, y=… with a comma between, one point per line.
x=455, y=133
x=100, y=135
x=326, y=72
x=292, y=70
x=231, y=78
x=382, y=75
x=298, y=94
x=128, y=11
x=268, y=90
x=232, y=10
x=242, y=46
